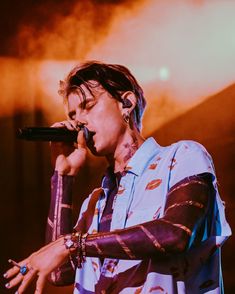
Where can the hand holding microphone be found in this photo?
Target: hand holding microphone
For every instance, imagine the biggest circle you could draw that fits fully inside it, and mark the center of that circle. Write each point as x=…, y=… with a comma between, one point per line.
x=67, y=157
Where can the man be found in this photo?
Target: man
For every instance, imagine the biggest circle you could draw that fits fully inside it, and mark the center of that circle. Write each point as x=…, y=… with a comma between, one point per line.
x=157, y=222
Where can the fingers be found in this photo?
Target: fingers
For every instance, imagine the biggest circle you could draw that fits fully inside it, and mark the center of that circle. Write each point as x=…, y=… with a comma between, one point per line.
x=34, y=266
x=40, y=284
x=81, y=142
x=23, y=279
x=15, y=269
x=11, y=272
x=27, y=280
x=70, y=125
x=61, y=148
x=14, y=281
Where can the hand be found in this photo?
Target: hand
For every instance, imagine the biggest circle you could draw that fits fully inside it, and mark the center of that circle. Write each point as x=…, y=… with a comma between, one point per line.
x=67, y=157
x=40, y=264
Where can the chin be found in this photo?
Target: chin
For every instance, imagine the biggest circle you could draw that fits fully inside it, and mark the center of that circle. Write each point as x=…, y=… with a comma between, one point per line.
x=98, y=151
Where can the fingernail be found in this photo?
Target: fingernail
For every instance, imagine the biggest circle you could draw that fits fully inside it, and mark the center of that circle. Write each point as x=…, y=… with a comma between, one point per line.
x=7, y=285
x=5, y=275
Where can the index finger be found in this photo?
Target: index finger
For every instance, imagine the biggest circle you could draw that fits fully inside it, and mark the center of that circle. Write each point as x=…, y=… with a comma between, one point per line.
x=40, y=284
x=14, y=270
x=81, y=141
x=27, y=280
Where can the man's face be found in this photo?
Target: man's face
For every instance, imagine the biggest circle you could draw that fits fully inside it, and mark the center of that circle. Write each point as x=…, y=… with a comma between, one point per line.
x=102, y=115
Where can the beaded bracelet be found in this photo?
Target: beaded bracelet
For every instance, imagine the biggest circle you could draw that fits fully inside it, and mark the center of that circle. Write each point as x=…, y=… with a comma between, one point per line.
x=76, y=242
x=83, y=247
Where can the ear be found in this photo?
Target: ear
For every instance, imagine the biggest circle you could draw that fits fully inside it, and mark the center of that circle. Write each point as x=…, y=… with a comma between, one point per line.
x=129, y=101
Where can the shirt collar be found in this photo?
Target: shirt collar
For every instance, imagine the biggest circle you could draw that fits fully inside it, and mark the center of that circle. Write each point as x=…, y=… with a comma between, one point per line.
x=108, y=178
x=136, y=164
x=142, y=156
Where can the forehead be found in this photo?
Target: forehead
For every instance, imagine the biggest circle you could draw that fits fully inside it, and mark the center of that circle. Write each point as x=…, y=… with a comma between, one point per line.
x=83, y=92
x=80, y=95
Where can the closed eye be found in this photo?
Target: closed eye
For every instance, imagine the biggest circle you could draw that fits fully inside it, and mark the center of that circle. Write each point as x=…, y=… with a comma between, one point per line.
x=89, y=105
x=72, y=115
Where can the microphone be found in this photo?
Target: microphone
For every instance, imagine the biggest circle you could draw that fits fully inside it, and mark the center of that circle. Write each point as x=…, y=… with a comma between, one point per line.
x=51, y=134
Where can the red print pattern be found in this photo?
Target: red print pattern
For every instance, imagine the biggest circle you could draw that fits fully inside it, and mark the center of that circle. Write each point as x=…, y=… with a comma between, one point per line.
x=153, y=184
x=153, y=166
x=173, y=163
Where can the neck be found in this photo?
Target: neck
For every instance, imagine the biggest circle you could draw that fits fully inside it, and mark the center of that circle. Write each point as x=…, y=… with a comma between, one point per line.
x=126, y=148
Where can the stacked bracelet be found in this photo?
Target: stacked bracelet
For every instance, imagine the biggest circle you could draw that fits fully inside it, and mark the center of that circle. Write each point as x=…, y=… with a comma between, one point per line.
x=83, y=247
x=76, y=244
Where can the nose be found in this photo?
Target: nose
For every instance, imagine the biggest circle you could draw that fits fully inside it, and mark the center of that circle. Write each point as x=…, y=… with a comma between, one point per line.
x=80, y=118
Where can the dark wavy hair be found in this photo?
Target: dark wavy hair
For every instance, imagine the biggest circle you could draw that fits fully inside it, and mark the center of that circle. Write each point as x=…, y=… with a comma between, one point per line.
x=115, y=79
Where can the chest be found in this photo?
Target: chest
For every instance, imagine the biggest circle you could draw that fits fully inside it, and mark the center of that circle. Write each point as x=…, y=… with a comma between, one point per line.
x=141, y=198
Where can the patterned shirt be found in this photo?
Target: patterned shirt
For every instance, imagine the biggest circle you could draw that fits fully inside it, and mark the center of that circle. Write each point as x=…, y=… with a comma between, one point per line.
x=141, y=197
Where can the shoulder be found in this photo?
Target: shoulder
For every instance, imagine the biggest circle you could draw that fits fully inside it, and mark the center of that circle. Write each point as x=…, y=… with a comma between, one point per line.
x=189, y=145
x=190, y=158
x=183, y=149
x=186, y=148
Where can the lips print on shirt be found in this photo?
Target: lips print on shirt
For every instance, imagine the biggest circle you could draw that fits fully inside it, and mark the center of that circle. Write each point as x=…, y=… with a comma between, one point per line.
x=121, y=189
x=153, y=184
x=95, y=265
x=153, y=166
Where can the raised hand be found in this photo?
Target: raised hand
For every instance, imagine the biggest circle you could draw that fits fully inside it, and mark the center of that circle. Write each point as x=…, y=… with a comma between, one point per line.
x=67, y=157
x=37, y=266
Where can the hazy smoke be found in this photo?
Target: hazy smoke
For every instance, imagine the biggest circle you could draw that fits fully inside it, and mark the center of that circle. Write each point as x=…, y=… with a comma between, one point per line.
x=52, y=34
x=180, y=52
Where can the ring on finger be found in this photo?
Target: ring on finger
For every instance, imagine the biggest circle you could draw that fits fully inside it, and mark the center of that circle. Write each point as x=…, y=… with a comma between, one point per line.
x=23, y=268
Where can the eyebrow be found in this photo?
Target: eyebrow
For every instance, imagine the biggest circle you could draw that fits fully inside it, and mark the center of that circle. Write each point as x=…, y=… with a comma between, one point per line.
x=80, y=105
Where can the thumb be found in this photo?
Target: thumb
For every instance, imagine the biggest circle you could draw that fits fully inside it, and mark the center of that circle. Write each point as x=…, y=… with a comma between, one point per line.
x=81, y=142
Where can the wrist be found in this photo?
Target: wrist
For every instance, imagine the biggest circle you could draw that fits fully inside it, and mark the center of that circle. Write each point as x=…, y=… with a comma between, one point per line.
x=70, y=165
x=72, y=241
x=75, y=243
x=64, y=167
x=66, y=172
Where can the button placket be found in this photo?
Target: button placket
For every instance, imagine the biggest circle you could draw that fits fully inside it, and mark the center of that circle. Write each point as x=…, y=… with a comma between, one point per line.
x=123, y=201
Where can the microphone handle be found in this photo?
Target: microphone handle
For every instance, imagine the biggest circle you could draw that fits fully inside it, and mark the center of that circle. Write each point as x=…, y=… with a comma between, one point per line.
x=49, y=134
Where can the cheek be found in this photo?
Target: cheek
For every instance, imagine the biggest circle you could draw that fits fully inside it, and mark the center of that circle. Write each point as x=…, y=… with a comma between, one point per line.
x=115, y=117
x=107, y=117
x=113, y=125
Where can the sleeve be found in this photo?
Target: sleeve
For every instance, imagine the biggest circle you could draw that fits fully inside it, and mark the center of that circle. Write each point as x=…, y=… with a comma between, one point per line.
x=60, y=222
x=191, y=158
x=186, y=207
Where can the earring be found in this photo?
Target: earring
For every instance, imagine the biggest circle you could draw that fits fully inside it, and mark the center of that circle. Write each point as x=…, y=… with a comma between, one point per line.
x=126, y=117
x=126, y=103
